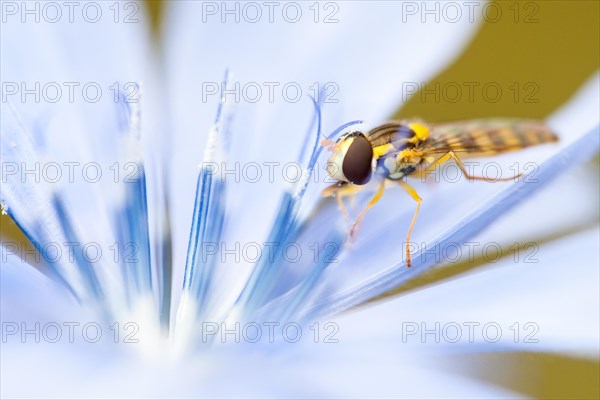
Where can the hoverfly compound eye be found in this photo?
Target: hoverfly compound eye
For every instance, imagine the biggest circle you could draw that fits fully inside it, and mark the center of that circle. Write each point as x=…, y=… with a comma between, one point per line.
x=357, y=164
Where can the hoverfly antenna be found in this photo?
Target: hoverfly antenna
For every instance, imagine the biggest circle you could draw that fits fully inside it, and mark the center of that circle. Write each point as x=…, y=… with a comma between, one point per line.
x=326, y=142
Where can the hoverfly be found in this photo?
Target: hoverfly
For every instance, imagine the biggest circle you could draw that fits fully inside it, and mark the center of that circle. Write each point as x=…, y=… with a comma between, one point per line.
x=396, y=150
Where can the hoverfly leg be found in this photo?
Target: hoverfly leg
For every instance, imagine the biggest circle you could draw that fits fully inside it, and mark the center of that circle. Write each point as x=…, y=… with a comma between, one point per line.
x=413, y=193
x=340, y=191
x=451, y=155
x=354, y=228
x=342, y=207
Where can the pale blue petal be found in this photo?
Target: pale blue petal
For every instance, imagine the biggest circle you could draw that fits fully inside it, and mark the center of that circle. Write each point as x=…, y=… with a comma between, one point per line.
x=509, y=295
x=28, y=295
x=118, y=58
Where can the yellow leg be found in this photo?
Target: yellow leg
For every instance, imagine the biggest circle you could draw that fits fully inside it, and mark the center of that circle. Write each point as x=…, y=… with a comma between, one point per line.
x=450, y=155
x=413, y=193
x=342, y=207
x=339, y=191
x=371, y=203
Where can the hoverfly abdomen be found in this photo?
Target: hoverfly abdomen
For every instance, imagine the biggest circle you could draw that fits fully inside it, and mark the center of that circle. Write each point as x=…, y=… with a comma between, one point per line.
x=533, y=133
x=487, y=137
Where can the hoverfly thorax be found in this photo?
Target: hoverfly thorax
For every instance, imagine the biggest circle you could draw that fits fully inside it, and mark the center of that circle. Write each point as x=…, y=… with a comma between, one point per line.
x=395, y=147
x=351, y=159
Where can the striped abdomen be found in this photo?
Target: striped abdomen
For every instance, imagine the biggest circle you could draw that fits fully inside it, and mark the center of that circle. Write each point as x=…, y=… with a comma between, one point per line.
x=486, y=136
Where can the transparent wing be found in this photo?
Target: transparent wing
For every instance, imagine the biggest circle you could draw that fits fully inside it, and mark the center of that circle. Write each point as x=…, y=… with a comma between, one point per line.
x=486, y=136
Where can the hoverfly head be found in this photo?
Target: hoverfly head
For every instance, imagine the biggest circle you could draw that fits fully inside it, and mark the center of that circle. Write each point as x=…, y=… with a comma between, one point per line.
x=351, y=159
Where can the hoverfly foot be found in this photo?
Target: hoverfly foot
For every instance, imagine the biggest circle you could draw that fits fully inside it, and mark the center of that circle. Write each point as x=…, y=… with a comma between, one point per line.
x=351, y=235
